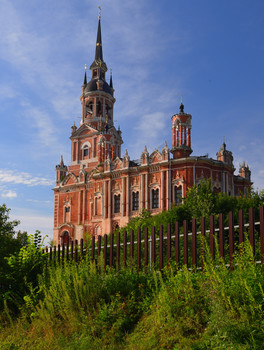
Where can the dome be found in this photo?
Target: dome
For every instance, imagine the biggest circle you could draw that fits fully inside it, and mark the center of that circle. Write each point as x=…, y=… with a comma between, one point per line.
x=92, y=86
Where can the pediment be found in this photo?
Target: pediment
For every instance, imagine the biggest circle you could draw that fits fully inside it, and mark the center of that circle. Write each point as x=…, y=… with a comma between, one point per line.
x=118, y=164
x=155, y=157
x=84, y=130
x=70, y=179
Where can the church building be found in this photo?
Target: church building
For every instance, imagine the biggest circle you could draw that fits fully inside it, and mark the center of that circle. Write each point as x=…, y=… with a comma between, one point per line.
x=101, y=190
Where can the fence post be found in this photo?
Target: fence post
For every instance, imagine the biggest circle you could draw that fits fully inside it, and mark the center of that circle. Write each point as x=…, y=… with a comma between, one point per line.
x=62, y=254
x=76, y=251
x=93, y=249
x=118, y=250
x=131, y=247
x=177, y=243
x=194, y=243
x=261, y=219
x=146, y=248
x=50, y=257
x=138, y=249
x=185, y=243
x=161, y=247
x=105, y=250
x=55, y=255
x=124, y=248
x=212, y=234
x=231, y=238
x=99, y=245
x=67, y=251
x=252, y=229
x=168, y=244
x=221, y=236
x=71, y=250
x=59, y=253
x=203, y=231
x=111, y=249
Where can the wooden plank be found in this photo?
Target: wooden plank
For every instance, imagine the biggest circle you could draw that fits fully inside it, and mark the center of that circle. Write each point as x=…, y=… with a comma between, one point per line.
x=212, y=236
x=125, y=249
x=146, y=248
x=76, y=251
x=99, y=245
x=168, y=244
x=185, y=242
x=161, y=247
x=59, y=253
x=139, y=248
x=231, y=238
x=111, y=249
x=261, y=219
x=194, y=243
x=177, y=243
x=221, y=236
x=252, y=229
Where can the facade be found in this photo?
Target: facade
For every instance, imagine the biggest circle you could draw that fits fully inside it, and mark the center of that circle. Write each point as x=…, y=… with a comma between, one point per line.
x=100, y=190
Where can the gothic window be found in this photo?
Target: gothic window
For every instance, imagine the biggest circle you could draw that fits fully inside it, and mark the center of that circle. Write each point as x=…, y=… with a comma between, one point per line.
x=99, y=108
x=155, y=198
x=95, y=73
x=86, y=152
x=67, y=213
x=67, y=209
x=135, y=200
x=178, y=194
x=117, y=203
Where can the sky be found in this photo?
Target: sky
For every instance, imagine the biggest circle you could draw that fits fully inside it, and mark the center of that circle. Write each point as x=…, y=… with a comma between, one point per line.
x=211, y=52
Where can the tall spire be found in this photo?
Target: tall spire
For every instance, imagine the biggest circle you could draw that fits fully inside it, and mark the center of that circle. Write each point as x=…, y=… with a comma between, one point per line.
x=85, y=77
x=99, y=49
x=111, y=79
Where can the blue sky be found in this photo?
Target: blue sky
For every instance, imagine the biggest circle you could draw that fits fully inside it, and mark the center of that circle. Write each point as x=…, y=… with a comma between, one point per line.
x=210, y=51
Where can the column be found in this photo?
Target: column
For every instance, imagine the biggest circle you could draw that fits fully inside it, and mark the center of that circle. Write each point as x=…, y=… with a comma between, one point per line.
x=141, y=191
x=105, y=199
x=109, y=199
x=184, y=131
x=127, y=196
x=180, y=136
x=162, y=190
x=79, y=208
x=84, y=207
x=173, y=137
x=123, y=196
x=146, y=193
x=167, y=190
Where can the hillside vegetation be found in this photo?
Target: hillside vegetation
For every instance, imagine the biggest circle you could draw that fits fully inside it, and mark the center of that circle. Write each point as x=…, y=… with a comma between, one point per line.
x=83, y=306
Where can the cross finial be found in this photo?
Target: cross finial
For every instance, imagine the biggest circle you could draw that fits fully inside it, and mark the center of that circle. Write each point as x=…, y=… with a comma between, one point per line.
x=111, y=71
x=181, y=98
x=99, y=12
x=85, y=67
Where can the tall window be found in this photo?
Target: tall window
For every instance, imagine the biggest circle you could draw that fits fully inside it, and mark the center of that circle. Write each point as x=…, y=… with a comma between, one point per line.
x=135, y=200
x=178, y=195
x=117, y=203
x=155, y=198
x=86, y=152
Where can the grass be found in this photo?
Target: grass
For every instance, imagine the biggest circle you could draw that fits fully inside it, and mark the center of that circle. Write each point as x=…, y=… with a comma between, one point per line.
x=83, y=307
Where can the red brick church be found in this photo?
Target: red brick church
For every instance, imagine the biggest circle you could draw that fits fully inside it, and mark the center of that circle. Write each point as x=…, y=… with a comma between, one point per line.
x=100, y=190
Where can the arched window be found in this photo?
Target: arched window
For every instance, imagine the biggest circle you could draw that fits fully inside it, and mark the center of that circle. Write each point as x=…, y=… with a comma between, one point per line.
x=155, y=198
x=117, y=203
x=178, y=194
x=135, y=200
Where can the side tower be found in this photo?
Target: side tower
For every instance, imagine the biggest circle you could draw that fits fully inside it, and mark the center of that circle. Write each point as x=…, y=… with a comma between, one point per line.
x=181, y=134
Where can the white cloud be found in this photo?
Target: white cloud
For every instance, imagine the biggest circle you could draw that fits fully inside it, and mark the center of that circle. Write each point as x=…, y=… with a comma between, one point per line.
x=9, y=194
x=15, y=177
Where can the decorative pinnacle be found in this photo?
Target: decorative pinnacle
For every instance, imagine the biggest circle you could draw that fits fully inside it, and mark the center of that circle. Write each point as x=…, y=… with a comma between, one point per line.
x=99, y=17
x=111, y=71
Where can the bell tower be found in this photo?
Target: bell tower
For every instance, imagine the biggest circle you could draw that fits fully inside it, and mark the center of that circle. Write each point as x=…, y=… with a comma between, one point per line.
x=102, y=141
x=181, y=133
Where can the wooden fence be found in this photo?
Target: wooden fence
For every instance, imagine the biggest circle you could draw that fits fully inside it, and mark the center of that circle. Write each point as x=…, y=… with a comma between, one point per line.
x=183, y=244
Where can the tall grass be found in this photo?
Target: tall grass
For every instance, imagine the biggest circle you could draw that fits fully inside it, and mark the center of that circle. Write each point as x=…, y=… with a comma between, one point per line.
x=84, y=307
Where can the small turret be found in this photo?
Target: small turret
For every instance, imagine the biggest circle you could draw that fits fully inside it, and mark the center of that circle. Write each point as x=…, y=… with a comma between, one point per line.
x=244, y=171
x=61, y=171
x=225, y=156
